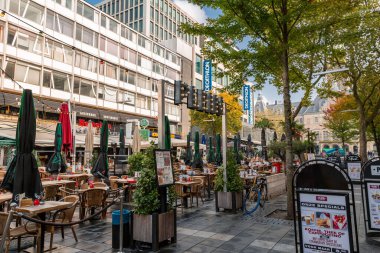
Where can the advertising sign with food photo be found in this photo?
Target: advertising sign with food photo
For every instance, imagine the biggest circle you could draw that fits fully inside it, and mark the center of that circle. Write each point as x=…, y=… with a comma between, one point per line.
x=164, y=167
x=324, y=223
x=354, y=169
x=373, y=191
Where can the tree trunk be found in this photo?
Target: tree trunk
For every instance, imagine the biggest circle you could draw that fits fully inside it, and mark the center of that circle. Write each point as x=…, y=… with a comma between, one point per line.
x=376, y=138
x=363, y=135
x=288, y=132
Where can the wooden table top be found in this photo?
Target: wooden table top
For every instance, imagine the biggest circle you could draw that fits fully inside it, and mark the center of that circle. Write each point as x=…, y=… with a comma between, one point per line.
x=186, y=183
x=208, y=174
x=83, y=190
x=56, y=182
x=5, y=196
x=47, y=207
x=74, y=175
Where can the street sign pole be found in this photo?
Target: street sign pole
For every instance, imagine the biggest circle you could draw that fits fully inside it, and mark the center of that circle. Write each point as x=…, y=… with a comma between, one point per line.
x=224, y=145
x=161, y=114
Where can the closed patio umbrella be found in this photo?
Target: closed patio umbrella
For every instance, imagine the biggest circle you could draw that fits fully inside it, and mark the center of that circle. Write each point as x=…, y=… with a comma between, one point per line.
x=197, y=163
x=56, y=163
x=136, y=140
x=100, y=169
x=210, y=155
x=22, y=176
x=88, y=144
x=189, y=153
x=67, y=137
x=167, y=134
x=122, y=156
x=219, y=157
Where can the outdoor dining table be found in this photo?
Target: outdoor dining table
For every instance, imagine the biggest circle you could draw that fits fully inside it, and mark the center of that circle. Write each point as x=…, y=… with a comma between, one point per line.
x=186, y=185
x=208, y=175
x=74, y=177
x=56, y=182
x=41, y=211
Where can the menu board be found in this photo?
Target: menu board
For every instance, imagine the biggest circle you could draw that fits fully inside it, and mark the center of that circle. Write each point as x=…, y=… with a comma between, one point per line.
x=324, y=223
x=373, y=194
x=354, y=169
x=164, y=167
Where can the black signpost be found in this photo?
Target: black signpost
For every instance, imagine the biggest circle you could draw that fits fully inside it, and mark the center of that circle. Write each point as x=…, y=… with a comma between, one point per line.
x=324, y=209
x=353, y=167
x=370, y=179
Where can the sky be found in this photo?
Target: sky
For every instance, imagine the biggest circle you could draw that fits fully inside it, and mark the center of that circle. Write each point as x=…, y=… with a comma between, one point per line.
x=201, y=15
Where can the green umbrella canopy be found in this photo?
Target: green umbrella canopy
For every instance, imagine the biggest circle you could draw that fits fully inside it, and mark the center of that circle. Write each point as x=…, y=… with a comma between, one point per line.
x=167, y=134
x=56, y=163
x=22, y=176
x=122, y=155
x=189, y=153
x=100, y=169
x=218, y=158
x=197, y=163
x=210, y=156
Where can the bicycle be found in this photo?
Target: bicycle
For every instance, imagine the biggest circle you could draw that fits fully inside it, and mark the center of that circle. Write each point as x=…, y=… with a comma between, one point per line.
x=255, y=196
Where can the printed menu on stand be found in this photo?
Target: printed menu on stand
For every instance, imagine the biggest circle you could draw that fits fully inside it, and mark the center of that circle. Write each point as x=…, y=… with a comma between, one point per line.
x=324, y=223
x=373, y=191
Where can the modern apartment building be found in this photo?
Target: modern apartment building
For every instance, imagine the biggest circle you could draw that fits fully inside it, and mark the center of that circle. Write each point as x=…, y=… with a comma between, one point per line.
x=161, y=20
x=158, y=19
x=68, y=50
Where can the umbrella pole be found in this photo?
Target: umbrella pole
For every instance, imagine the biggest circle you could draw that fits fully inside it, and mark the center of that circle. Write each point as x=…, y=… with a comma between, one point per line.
x=224, y=144
x=74, y=115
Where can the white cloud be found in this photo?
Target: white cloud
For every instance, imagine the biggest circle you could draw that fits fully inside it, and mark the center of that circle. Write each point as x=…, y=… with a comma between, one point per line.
x=192, y=10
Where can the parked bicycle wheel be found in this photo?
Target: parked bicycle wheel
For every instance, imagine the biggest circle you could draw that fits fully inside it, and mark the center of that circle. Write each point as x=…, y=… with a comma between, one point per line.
x=264, y=195
x=252, y=200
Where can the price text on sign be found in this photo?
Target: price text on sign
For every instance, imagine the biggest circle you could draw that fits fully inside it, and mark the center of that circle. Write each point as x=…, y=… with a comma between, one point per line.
x=324, y=223
x=375, y=170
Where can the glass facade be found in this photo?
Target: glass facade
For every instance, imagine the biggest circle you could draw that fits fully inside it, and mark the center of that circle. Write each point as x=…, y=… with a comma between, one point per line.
x=73, y=59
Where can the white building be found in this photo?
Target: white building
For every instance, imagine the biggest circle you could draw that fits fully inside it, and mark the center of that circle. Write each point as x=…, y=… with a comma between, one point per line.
x=69, y=50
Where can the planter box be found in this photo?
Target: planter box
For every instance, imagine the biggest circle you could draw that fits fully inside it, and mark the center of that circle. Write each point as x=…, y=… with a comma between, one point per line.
x=228, y=200
x=276, y=185
x=155, y=228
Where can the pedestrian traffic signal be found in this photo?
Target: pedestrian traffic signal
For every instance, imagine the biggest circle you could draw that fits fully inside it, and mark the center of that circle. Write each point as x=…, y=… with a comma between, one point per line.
x=200, y=100
x=214, y=104
x=220, y=110
x=191, y=98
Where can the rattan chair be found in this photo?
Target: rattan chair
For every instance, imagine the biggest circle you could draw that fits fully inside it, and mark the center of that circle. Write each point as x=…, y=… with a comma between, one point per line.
x=196, y=190
x=50, y=192
x=93, y=199
x=67, y=189
x=181, y=195
x=64, y=216
x=25, y=230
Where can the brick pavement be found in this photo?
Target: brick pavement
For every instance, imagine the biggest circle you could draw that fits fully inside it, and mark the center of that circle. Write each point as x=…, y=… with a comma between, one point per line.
x=203, y=230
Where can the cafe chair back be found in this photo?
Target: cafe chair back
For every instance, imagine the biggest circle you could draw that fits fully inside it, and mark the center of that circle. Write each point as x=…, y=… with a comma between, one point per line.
x=181, y=195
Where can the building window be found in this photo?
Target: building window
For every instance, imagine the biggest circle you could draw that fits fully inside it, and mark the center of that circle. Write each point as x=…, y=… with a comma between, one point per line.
x=28, y=10
x=85, y=11
x=198, y=84
x=316, y=119
x=87, y=36
x=112, y=47
x=198, y=64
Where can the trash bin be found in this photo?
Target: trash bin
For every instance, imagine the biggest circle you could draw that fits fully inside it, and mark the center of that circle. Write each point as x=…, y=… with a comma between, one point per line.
x=116, y=228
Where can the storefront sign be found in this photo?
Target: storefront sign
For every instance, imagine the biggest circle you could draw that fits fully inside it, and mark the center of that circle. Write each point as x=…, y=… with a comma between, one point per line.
x=164, y=169
x=246, y=97
x=207, y=75
x=375, y=170
x=144, y=123
x=373, y=196
x=324, y=222
x=144, y=134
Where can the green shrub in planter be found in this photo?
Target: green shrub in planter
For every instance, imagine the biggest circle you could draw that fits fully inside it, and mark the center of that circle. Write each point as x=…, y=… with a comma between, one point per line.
x=146, y=195
x=234, y=182
x=135, y=163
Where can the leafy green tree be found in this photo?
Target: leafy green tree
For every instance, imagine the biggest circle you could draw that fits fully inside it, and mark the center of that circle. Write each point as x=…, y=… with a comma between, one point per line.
x=360, y=53
x=340, y=121
x=212, y=124
x=286, y=43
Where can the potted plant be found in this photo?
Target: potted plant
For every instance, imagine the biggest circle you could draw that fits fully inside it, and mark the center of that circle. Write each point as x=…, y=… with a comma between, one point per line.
x=135, y=162
x=233, y=198
x=149, y=225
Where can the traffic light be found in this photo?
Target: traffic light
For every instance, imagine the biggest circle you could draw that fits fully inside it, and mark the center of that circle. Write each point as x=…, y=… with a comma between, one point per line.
x=214, y=104
x=191, y=98
x=220, y=107
x=208, y=102
x=200, y=100
x=180, y=92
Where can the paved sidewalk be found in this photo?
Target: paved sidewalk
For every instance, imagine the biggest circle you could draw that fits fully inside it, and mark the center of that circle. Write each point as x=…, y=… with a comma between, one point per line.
x=203, y=230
